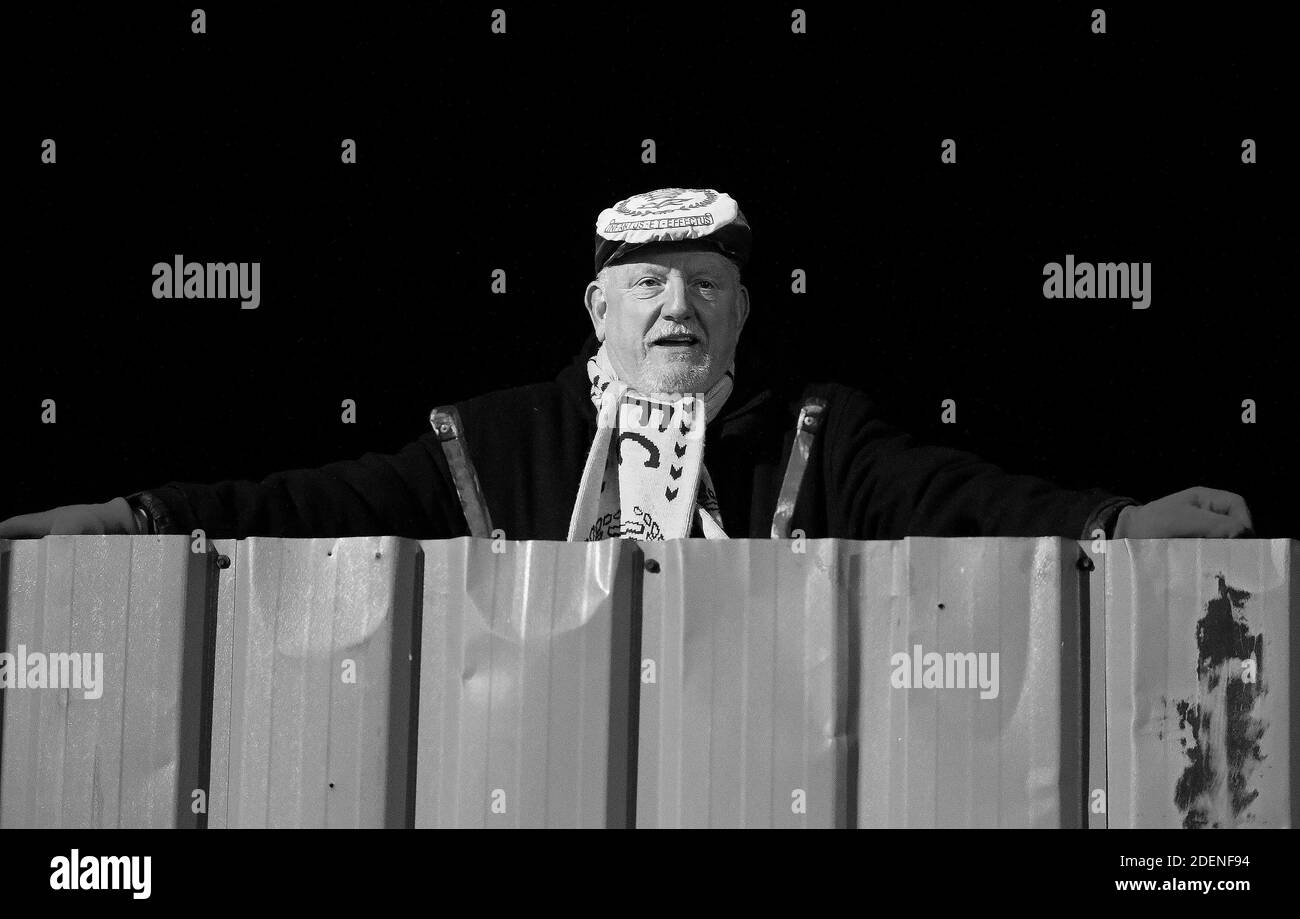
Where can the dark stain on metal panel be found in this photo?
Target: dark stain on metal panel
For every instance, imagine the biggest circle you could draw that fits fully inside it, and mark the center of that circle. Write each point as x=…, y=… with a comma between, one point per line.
x=1224, y=745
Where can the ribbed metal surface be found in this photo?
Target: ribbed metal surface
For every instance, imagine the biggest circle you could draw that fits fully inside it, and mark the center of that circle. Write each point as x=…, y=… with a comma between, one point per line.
x=1195, y=738
x=133, y=756
x=1093, y=670
x=320, y=690
x=740, y=727
x=527, y=683
x=774, y=704
x=686, y=683
x=223, y=672
x=948, y=756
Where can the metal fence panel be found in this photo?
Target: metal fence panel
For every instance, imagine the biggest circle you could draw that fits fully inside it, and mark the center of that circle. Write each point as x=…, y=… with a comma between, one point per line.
x=528, y=682
x=776, y=702
x=942, y=753
x=222, y=674
x=680, y=683
x=739, y=726
x=1092, y=670
x=1200, y=682
x=133, y=756
x=320, y=697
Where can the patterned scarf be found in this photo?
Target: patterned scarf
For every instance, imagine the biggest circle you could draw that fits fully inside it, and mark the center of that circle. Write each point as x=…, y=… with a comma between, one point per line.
x=653, y=484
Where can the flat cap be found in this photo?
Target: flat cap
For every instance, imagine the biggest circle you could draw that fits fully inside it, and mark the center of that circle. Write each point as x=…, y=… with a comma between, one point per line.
x=701, y=217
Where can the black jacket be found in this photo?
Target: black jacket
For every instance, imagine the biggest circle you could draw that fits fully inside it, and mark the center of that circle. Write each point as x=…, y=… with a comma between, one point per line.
x=865, y=479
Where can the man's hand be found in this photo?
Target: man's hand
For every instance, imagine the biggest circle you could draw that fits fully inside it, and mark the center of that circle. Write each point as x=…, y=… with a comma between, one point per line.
x=1204, y=512
x=110, y=518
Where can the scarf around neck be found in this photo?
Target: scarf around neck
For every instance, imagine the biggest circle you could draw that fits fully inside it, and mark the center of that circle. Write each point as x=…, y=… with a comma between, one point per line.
x=652, y=485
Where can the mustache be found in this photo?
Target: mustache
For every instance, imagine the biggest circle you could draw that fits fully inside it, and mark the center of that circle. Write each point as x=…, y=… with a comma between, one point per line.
x=657, y=334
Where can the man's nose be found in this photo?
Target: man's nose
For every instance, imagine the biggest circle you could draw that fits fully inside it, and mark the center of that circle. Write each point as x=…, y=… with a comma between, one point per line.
x=676, y=302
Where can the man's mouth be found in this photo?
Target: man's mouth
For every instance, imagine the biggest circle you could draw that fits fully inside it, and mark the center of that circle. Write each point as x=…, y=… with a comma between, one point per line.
x=676, y=341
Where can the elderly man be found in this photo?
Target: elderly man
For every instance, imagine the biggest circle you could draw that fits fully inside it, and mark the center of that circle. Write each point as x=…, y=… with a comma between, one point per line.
x=617, y=444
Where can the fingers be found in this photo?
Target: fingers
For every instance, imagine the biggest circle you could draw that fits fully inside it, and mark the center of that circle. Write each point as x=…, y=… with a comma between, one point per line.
x=71, y=520
x=25, y=526
x=1227, y=503
x=1205, y=524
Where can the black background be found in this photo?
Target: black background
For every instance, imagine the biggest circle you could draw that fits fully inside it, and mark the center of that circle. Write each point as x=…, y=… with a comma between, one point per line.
x=479, y=151
x=893, y=869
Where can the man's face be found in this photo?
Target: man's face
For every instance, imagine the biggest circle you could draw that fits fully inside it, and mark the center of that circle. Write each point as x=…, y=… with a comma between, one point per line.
x=671, y=319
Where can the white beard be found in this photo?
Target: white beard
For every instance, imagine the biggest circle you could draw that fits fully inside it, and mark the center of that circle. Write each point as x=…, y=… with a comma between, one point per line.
x=681, y=378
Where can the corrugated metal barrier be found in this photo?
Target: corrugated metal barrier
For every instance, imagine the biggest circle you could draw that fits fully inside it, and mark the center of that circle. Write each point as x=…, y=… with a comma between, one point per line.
x=527, y=680
x=779, y=697
x=316, y=698
x=485, y=683
x=1201, y=654
x=127, y=623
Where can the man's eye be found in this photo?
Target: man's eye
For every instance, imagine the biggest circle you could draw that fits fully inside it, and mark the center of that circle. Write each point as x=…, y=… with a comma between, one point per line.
x=647, y=281
x=706, y=284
